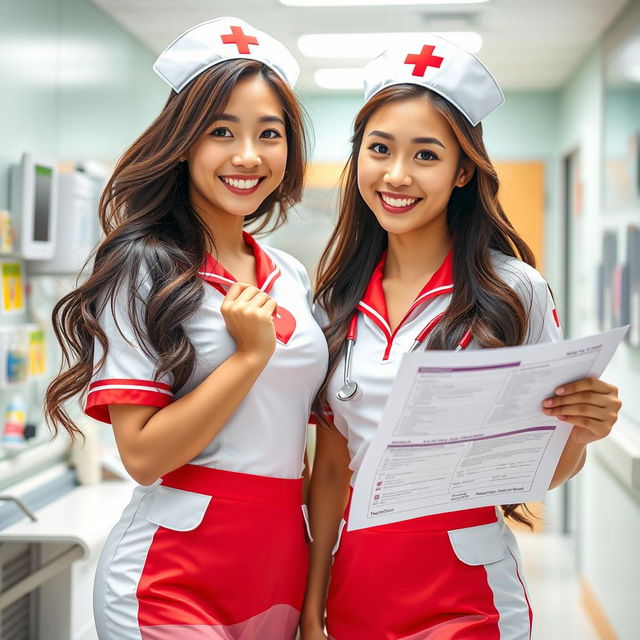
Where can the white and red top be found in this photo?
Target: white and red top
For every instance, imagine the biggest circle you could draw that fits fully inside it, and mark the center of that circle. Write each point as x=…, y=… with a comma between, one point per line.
x=266, y=435
x=378, y=350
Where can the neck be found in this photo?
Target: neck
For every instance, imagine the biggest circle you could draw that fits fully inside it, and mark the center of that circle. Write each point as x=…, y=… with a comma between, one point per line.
x=411, y=256
x=226, y=231
x=227, y=235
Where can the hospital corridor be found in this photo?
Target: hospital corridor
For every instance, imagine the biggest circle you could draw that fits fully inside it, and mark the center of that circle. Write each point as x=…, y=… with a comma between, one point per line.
x=320, y=320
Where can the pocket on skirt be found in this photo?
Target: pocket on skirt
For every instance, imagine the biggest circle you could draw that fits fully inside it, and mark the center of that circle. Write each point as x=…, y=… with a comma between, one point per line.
x=176, y=509
x=483, y=544
x=336, y=546
x=307, y=524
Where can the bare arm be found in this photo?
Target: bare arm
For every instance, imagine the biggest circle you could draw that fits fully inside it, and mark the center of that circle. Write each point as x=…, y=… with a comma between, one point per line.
x=571, y=461
x=328, y=495
x=154, y=441
x=306, y=478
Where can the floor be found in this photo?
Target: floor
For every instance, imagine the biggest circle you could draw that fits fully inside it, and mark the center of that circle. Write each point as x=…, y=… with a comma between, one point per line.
x=553, y=585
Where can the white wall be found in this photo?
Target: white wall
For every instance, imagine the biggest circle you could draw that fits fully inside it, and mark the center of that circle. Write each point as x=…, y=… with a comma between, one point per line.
x=609, y=512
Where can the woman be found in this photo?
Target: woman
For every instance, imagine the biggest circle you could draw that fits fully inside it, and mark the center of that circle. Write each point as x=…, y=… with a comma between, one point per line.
x=424, y=252
x=206, y=377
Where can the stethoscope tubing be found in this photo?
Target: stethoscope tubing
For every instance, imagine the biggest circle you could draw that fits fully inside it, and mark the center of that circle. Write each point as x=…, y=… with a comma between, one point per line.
x=350, y=387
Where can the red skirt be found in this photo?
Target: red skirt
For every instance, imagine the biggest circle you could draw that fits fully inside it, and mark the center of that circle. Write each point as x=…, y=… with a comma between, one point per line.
x=446, y=577
x=222, y=555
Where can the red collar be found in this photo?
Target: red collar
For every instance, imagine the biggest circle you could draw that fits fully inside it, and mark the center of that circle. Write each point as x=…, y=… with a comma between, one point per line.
x=217, y=276
x=374, y=304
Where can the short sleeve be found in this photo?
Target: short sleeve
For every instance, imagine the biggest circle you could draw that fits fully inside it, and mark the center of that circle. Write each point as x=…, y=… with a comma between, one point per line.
x=127, y=375
x=543, y=324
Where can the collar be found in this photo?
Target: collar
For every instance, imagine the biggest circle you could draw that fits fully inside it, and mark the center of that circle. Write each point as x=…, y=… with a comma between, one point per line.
x=374, y=304
x=217, y=276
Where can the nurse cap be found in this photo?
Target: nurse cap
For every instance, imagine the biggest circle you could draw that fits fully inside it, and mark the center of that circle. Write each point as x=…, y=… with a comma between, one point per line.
x=219, y=40
x=443, y=67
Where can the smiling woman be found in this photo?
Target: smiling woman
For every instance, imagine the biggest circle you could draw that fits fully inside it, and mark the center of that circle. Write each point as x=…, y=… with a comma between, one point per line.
x=242, y=153
x=390, y=152
x=206, y=372
x=424, y=256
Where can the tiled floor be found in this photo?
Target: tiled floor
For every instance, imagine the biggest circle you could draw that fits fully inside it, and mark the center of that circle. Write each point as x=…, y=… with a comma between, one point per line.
x=554, y=588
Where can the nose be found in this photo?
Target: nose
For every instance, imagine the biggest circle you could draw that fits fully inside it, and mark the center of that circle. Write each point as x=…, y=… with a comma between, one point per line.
x=247, y=156
x=397, y=175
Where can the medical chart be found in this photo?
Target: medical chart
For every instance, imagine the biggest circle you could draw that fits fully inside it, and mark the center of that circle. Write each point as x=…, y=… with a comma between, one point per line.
x=466, y=429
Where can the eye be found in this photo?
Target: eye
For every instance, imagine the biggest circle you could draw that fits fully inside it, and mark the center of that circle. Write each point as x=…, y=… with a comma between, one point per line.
x=426, y=155
x=221, y=132
x=378, y=147
x=270, y=134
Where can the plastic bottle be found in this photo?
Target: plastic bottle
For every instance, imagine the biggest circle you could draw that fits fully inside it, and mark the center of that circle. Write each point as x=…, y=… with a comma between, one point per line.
x=15, y=418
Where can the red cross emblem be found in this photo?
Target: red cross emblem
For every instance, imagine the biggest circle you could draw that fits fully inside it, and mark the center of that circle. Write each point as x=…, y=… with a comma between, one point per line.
x=240, y=39
x=423, y=60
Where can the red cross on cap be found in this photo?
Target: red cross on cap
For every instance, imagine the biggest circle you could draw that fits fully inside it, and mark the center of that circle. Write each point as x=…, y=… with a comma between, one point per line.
x=240, y=39
x=423, y=60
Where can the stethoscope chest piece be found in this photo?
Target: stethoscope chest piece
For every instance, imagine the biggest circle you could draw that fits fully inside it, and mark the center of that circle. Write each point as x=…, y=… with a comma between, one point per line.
x=348, y=391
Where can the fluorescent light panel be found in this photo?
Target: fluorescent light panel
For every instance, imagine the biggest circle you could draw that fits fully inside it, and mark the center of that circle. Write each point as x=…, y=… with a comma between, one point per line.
x=369, y=45
x=345, y=78
x=372, y=3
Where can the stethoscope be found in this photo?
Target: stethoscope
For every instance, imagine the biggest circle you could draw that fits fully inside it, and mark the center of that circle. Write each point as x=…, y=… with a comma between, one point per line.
x=350, y=387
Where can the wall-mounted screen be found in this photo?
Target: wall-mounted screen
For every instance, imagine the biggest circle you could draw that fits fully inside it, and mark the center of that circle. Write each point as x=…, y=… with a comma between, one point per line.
x=34, y=205
x=42, y=204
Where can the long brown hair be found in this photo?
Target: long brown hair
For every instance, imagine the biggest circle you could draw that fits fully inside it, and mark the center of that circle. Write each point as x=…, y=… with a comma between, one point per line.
x=149, y=222
x=481, y=300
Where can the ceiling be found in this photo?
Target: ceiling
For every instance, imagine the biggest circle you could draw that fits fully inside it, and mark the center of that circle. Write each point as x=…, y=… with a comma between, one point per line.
x=528, y=44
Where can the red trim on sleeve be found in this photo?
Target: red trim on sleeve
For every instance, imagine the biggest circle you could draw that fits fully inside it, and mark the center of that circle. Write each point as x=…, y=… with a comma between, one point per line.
x=152, y=384
x=555, y=317
x=105, y=392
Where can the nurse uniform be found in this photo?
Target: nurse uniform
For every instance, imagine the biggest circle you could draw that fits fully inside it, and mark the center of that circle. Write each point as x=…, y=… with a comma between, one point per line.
x=452, y=576
x=216, y=548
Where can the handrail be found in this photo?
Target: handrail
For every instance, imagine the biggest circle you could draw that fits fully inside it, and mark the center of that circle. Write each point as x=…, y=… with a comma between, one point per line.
x=20, y=504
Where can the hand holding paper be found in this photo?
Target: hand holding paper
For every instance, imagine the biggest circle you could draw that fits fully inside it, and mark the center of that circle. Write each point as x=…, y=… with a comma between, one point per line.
x=467, y=429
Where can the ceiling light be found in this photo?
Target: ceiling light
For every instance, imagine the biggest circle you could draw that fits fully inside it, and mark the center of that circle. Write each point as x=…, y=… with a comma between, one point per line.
x=339, y=78
x=369, y=45
x=370, y=3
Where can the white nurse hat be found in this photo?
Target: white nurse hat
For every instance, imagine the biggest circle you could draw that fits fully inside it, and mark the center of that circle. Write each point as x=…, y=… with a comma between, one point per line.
x=215, y=41
x=443, y=67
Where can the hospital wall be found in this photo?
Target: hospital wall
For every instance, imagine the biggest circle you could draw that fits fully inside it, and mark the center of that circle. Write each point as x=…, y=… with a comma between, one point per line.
x=73, y=83
x=609, y=513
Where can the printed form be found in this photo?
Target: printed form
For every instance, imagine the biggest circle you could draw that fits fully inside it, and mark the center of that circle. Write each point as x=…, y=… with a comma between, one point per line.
x=466, y=429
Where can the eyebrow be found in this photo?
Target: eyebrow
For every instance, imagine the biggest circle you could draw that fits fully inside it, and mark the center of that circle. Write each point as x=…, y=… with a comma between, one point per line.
x=388, y=136
x=230, y=118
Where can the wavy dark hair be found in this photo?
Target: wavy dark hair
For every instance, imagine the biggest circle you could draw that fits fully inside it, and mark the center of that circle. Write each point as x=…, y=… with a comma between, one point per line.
x=148, y=222
x=481, y=300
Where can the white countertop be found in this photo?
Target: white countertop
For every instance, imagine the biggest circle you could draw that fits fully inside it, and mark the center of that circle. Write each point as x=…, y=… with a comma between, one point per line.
x=83, y=516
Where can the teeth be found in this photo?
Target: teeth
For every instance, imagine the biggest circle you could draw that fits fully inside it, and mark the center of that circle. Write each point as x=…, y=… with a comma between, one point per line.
x=241, y=184
x=398, y=202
